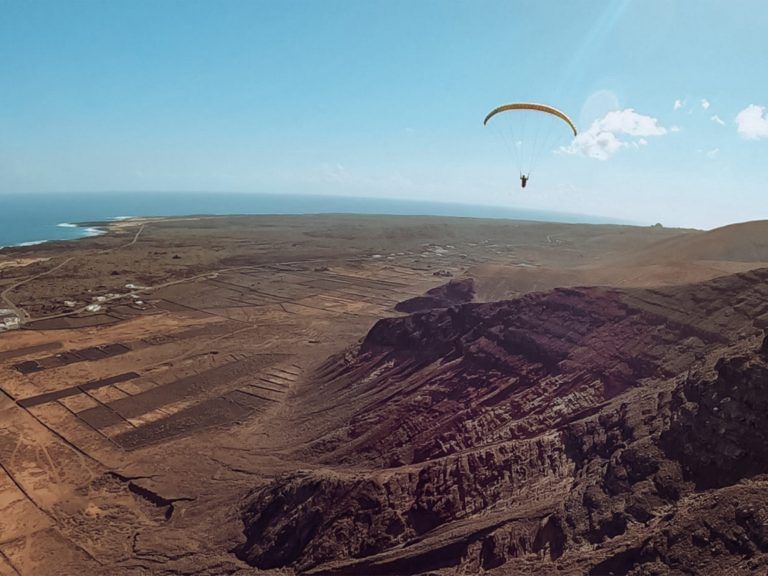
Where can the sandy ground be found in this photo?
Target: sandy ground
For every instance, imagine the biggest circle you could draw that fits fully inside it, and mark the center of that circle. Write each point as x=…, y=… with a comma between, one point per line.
x=129, y=435
x=20, y=262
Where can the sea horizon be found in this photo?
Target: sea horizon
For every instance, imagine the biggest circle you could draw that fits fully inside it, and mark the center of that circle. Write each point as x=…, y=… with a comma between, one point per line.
x=36, y=217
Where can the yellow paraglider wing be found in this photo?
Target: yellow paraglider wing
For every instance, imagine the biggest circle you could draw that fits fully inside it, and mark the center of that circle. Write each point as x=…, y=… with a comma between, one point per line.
x=532, y=106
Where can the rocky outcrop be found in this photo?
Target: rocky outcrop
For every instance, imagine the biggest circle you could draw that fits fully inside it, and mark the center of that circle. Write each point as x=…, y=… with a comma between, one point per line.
x=719, y=430
x=577, y=431
x=444, y=296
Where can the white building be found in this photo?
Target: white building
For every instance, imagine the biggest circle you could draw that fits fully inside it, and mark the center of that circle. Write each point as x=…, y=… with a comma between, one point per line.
x=9, y=320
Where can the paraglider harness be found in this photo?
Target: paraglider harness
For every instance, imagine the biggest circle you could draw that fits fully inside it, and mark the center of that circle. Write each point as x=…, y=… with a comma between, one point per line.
x=544, y=108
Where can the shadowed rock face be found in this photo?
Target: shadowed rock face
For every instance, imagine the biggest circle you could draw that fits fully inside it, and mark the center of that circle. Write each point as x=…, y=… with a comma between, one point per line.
x=719, y=431
x=450, y=294
x=580, y=431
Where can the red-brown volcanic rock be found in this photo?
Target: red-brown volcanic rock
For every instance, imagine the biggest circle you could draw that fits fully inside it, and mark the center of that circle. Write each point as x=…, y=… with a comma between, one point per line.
x=578, y=431
x=450, y=294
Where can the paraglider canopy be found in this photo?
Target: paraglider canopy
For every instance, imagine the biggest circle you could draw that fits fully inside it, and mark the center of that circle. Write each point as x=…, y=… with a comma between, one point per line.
x=531, y=106
x=530, y=130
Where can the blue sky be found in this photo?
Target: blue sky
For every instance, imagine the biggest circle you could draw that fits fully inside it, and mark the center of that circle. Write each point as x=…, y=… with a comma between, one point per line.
x=386, y=98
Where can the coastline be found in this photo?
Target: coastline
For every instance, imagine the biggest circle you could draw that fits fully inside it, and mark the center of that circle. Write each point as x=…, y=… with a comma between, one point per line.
x=86, y=232
x=101, y=227
x=86, y=229
x=33, y=219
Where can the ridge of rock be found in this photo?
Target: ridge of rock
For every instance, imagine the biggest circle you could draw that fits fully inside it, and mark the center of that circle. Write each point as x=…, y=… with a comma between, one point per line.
x=587, y=430
x=444, y=296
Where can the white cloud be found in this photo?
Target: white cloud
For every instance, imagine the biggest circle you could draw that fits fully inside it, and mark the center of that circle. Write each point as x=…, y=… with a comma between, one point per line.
x=674, y=128
x=340, y=176
x=631, y=123
x=705, y=104
x=678, y=104
x=334, y=172
x=752, y=122
x=602, y=139
x=712, y=154
x=717, y=120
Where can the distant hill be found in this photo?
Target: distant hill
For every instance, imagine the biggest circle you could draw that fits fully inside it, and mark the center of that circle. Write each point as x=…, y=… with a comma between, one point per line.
x=578, y=431
x=745, y=242
x=691, y=256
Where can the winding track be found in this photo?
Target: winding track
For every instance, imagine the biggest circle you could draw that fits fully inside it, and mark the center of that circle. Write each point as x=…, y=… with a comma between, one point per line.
x=23, y=315
x=20, y=312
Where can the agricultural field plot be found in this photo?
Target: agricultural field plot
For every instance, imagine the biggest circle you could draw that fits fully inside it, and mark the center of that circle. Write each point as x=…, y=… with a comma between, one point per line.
x=94, y=406
x=129, y=432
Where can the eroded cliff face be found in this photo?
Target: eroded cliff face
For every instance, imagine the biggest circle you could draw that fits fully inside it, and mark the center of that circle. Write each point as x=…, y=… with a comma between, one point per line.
x=581, y=431
x=451, y=294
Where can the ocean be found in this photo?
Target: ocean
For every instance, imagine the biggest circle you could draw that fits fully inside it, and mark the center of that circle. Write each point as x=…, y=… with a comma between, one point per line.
x=32, y=218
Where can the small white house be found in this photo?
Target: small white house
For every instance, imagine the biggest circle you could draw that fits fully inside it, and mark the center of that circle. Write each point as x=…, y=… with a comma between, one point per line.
x=9, y=320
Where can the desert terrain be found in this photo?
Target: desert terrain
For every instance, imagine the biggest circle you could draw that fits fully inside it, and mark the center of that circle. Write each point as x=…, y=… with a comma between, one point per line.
x=385, y=395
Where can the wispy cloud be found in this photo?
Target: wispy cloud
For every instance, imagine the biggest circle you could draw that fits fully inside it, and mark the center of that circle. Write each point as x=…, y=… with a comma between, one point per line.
x=705, y=104
x=334, y=172
x=712, y=154
x=678, y=104
x=339, y=174
x=717, y=120
x=752, y=122
x=616, y=130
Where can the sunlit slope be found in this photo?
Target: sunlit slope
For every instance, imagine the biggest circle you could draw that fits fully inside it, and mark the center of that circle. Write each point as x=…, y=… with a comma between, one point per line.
x=691, y=256
x=745, y=242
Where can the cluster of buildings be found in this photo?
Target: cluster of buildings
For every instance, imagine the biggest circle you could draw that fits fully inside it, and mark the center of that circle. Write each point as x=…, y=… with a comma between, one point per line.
x=98, y=303
x=9, y=320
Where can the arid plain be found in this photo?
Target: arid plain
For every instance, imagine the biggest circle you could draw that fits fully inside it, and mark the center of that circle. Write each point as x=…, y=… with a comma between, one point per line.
x=168, y=370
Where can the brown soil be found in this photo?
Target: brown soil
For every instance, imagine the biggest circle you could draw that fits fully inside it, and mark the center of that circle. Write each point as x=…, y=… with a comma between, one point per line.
x=220, y=413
